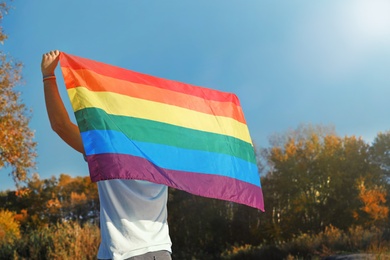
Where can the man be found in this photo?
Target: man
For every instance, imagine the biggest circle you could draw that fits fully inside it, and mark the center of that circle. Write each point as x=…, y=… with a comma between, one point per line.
x=133, y=213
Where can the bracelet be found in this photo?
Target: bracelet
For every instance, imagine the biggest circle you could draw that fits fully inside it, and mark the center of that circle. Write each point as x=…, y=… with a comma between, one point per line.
x=49, y=77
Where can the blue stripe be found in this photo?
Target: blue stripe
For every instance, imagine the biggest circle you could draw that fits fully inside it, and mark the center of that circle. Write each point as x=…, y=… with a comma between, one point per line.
x=169, y=157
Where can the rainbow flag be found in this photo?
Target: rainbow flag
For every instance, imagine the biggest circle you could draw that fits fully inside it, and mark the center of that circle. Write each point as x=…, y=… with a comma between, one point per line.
x=136, y=126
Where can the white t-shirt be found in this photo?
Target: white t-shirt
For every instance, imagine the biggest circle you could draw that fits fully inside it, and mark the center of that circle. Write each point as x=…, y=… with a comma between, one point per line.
x=133, y=218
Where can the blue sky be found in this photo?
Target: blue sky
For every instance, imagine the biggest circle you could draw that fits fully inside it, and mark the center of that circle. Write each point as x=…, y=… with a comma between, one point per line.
x=290, y=62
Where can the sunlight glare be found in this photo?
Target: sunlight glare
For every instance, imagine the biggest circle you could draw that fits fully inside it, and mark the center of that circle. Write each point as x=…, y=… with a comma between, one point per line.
x=368, y=21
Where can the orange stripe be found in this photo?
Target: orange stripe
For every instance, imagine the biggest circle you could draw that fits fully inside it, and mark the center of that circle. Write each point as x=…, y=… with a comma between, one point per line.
x=97, y=82
x=76, y=63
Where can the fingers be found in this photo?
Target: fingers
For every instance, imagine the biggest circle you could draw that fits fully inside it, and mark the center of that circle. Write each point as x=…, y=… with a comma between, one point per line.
x=55, y=52
x=49, y=62
x=51, y=55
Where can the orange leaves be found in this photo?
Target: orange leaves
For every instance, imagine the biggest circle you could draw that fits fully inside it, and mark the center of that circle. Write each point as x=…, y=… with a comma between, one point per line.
x=22, y=192
x=17, y=148
x=53, y=203
x=332, y=144
x=290, y=148
x=297, y=149
x=77, y=198
x=373, y=200
x=22, y=216
x=278, y=154
x=319, y=147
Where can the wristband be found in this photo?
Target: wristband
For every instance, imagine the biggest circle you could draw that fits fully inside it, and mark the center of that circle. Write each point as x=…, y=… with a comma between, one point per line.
x=49, y=77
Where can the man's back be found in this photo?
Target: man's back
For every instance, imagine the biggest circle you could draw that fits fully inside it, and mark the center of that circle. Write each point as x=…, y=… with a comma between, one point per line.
x=133, y=218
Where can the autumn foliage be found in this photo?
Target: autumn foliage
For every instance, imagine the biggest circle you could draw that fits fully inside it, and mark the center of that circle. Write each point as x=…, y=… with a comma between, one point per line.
x=315, y=180
x=17, y=147
x=374, y=203
x=9, y=226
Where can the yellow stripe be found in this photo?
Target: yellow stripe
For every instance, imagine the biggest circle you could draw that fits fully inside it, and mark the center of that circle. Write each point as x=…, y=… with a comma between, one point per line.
x=118, y=104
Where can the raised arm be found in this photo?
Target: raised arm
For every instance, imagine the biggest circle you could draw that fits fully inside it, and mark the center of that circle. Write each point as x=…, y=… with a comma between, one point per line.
x=58, y=116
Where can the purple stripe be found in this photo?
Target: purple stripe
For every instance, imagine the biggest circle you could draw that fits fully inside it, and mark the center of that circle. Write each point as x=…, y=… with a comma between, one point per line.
x=121, y=166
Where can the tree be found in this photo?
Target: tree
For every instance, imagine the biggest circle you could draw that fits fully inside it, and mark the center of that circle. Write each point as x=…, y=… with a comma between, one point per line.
x=54, y=200
x=313, y=181
x=79, y=198
x=380, y=152
x=17, y=148
x=203, y=227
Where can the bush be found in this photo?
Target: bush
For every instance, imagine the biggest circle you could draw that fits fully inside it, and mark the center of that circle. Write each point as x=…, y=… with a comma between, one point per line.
x=248, y=252
x=71, y=241
x=35, y=244
x=9, y=234
x=332, y=241
x=67, y=240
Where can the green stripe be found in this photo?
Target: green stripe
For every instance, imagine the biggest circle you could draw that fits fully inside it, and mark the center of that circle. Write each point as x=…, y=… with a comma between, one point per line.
x=156, y=132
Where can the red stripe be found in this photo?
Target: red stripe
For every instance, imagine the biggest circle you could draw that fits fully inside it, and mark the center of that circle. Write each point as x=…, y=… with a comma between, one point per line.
x=97, y=82
x=75, y=63
x=119, y=166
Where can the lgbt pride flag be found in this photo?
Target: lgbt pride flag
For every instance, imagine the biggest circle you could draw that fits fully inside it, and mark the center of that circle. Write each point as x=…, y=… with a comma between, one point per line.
x=136, y=126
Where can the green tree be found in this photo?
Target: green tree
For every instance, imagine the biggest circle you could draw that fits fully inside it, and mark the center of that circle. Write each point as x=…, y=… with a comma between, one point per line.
x=380, y=156
x=380, y=152
x=17, y=148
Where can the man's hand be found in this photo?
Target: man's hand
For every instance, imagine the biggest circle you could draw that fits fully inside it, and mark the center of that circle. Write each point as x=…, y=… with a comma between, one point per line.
x=49, y=62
